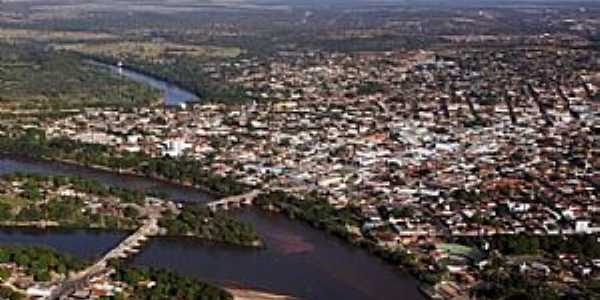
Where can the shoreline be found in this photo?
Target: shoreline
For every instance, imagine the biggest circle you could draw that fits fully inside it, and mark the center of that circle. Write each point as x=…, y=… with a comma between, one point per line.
x=74, y=163
x=252, y=294
x=112, y=63
x=411, y=270
x=136, y=174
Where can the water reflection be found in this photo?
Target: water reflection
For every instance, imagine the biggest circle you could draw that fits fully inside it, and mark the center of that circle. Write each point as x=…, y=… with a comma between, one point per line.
x=174, y=192
x=298, y=259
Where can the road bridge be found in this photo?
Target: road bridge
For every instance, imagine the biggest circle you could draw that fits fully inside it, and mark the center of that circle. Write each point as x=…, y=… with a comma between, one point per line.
x=234, y=201
x=248, y=198
x=124, y=249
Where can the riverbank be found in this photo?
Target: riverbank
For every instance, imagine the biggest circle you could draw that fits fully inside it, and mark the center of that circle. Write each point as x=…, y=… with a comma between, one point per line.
x=132, y=172
x=247, y=294
x=273, y=268
x=33, y=143
x=346, y=224
x=394, y=258
x=33, y=272
x=113, y=64
x=31, y=200
x=48, y=147
x=128, y=172
x=173, y=93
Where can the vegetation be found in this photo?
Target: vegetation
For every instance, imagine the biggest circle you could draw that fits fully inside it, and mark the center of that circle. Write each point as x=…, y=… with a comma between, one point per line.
x=31, y=76
x=186, y=71
x=40, y=262
x=168, y=285
x=584, y=246
x=19, y=35
x=313, y=210
x=501, y=282
x=199, y=221
x=146, y=50
x=320, y=214
x=34, y=181
x=33, y=143
x=369, y=88
x=35, y=203
x=10, y=294
x=65, y=212
x=511, y=284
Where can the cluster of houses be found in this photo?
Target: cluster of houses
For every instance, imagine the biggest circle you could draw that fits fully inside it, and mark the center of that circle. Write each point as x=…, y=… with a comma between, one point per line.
x=471, y=143
x=102, y=210
x=101, y=286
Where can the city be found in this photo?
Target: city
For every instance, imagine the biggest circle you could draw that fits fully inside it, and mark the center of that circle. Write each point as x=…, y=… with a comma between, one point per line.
x=471, y=163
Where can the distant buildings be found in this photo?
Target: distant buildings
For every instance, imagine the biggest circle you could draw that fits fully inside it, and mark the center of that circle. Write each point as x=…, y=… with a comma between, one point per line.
x=456, y=140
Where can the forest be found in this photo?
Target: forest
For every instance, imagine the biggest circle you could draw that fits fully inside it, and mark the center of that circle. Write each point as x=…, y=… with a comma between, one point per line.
x=168, y=285
x=32, y=76
x=38, y=261
x=200, y=222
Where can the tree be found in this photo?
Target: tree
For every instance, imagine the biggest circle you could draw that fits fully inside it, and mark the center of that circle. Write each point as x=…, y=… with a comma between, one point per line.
x=5, y=212
x=42, y=275
x=32, y=191
x=4, y=273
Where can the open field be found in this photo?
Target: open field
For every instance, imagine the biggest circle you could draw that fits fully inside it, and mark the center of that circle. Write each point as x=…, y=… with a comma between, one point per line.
x=11, y=34
x=44, y=10
x=151, y=50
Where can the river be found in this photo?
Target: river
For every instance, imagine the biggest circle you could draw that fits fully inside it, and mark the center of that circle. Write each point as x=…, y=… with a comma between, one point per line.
x=172, y=94
x=298, y=260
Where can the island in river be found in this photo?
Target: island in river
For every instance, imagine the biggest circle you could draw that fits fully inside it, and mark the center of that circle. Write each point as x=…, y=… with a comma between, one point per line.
x=297, y=259
x=67, y=201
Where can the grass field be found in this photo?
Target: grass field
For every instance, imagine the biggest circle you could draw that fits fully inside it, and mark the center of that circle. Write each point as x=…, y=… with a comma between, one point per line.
x=11, y=34
x=151, y=50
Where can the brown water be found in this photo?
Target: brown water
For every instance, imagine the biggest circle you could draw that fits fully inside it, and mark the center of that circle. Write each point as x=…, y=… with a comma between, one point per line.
x=298, y=259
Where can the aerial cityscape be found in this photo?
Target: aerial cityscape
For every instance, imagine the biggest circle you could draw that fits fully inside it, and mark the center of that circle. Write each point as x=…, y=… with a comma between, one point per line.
x=299, y=149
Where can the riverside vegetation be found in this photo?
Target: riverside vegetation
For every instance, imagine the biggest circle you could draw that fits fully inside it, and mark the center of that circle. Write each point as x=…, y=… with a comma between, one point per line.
x=46, y=265
x=201, y=222
x=40, y=262
x=27, y=199
x=186, y=70
x=34, y=144
x=67, y=201
x=166, y=285
x=343, y=223
x=34, y=77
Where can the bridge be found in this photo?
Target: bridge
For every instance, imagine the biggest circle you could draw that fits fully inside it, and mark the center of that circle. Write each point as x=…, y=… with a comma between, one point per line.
x=234, y=201
x=125, y=248
x=248, y=198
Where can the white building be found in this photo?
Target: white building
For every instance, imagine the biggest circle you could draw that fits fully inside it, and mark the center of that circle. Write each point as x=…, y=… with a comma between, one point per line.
x=175, y=148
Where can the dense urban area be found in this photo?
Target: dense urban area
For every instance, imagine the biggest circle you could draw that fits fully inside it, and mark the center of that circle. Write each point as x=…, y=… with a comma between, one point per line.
x=459, y=143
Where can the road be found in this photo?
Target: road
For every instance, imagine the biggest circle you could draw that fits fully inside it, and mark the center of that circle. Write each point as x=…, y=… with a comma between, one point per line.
x=128, y=246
